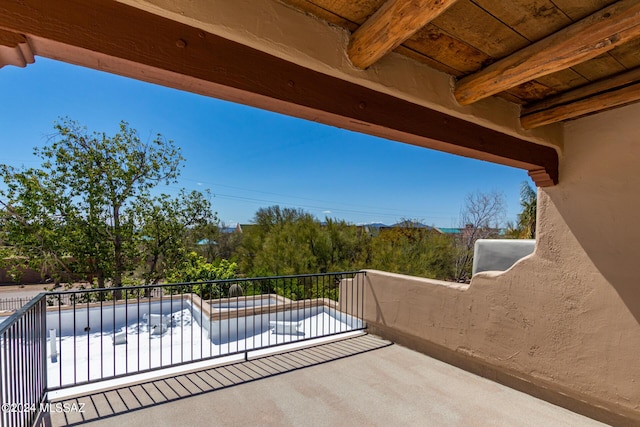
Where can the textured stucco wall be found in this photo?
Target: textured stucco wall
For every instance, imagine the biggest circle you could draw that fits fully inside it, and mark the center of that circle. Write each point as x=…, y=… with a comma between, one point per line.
x=567, y=318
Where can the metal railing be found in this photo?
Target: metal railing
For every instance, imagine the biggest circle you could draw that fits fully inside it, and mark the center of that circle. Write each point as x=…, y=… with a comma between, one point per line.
x=68, y=338
x=99, y=334
x=23, y=376
x=12, y=304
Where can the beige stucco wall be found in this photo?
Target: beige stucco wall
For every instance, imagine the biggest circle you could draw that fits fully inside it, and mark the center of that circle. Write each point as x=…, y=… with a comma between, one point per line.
x=566, y=318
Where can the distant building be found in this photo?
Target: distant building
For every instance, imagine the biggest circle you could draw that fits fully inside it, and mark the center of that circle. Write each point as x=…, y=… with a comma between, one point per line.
x=229, y=230
x=445, y=230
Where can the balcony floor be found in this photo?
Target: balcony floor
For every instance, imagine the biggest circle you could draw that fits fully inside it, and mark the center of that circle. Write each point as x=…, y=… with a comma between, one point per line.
x=356, y=381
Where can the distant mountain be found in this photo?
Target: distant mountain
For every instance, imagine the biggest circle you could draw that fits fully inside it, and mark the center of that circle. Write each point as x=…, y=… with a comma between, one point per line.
x=375, y=225
x=410, y=224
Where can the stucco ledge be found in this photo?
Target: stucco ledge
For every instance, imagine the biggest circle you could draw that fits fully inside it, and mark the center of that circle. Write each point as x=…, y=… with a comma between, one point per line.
x=421, y=280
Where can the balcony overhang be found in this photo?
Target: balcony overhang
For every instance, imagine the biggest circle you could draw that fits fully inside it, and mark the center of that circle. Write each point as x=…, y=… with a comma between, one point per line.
x=121, y=39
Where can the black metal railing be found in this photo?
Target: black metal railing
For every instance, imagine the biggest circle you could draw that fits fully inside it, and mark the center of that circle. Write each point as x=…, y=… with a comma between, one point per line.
x=98, y=334
x=67, y=338
x=23, y=376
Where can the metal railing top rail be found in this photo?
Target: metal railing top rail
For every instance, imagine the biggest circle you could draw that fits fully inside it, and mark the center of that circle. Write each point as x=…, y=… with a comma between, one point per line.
x=204, y=282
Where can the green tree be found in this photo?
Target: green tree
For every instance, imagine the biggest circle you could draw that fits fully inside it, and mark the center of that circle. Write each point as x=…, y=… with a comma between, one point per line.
x=32, y=223
x=227, y=243
x=288, y=247
x=264, y=243
x=167, y=227
x=344, y=247
x=290, y=241
x=412, y=250
x=526, y=226
x=80, y=201
x=195, y=268
x=218, y=241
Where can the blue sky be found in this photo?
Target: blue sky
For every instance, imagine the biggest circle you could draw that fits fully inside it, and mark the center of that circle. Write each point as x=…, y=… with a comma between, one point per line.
x=250, y=158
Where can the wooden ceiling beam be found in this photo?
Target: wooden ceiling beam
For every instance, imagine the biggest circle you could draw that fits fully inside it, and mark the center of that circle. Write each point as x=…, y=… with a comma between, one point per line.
x=14, y=50
x=612, y=92
x=148, y=47
x=390, y=26
x=604, y=101
x=579, y=42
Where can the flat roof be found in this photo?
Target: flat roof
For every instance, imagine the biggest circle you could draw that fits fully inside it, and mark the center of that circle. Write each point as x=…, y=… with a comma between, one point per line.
x=361, y=380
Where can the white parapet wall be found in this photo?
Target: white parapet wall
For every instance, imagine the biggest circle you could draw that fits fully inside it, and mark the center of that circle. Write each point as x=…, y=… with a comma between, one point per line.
x=500, y=254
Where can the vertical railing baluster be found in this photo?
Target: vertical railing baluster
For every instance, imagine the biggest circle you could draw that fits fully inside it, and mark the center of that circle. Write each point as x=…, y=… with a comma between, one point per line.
x=21, y=371
x=33, y=365
x=149, y=328
x=324, y=304
x=13, y=397
x=361, y=285
x=113, y=312
x=201, y=318
x=237, y=318
x=75, y=356
x=317, y=308
x=162, y=323
x=43, y=349
x=126, y=330
x=350, y=292
x=192, y=314
x=102, y=296
x=138, y=326
x=335, y=291
x=276, y=310
x=182, y=325
x=88, y=329
x=3, y=378
x=253, y=312
x=161, y=313
x=28, y=349
x=210, y=319
x=59, y=347
x=219, y=327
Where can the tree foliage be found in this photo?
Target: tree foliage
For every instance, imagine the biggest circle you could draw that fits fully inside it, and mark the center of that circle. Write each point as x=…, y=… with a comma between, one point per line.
x=33, y=221
x=103, y=176
x=88, y=209
x=287, y=241
x=167, y=228
x=412, y=250
x=526, y=225
x=195, y=268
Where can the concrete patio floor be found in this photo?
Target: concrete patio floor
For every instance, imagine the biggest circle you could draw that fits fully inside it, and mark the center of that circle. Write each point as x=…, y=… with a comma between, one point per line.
x=360, y=381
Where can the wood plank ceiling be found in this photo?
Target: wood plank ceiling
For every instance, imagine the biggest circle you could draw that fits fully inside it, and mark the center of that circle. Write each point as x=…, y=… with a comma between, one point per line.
x=559, y=59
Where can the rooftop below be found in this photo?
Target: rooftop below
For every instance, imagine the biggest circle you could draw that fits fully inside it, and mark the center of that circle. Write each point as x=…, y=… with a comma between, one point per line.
x=361, y=380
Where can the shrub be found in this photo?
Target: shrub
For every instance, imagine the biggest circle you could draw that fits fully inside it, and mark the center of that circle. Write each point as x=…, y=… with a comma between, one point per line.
x=196, y=269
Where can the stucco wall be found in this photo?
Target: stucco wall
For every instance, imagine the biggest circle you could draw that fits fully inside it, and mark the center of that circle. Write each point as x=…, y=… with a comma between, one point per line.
x=565, y=319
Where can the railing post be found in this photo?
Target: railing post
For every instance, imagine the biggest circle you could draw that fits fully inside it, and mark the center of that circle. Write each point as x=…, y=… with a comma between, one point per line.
x=43, y=350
